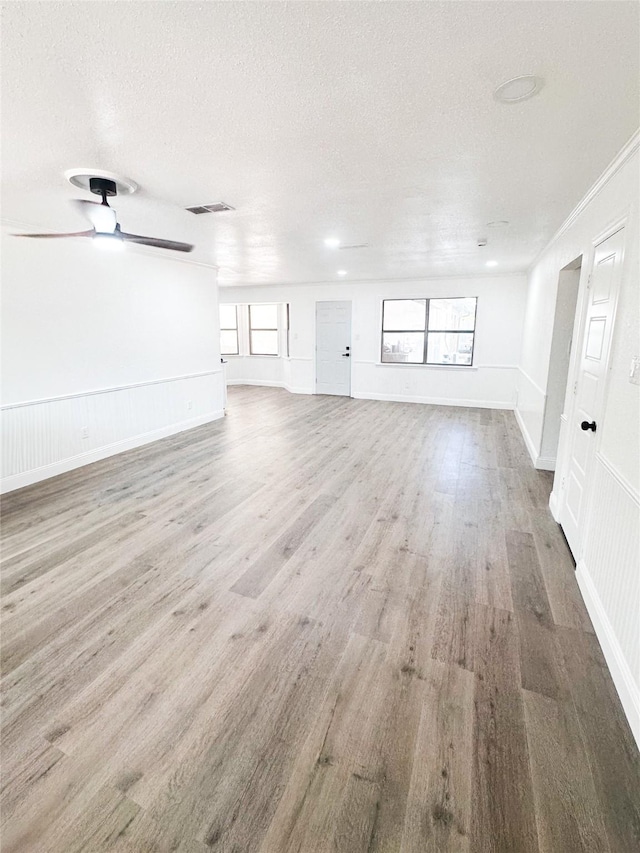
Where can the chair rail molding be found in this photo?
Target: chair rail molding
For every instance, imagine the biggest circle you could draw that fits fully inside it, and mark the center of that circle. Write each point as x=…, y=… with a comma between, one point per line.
x=46, y=437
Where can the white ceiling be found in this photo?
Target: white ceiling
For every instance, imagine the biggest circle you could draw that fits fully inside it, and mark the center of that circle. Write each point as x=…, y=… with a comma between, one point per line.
x=373, y=122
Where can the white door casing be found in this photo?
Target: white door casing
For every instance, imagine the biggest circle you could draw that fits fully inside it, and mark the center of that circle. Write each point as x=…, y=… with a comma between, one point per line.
x=590, y=386
x=333, y=348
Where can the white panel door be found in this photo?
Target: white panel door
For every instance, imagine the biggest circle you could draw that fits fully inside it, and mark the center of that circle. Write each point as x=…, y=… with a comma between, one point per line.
x=589, y=391
x=333, y=348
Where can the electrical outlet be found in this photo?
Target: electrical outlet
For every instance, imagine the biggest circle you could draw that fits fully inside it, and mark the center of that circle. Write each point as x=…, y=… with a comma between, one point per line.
x=189, y=404
x=85, y=432
x=634, y=373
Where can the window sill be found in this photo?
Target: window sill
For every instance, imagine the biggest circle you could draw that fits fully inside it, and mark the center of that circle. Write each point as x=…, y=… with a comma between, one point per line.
x=429, y=366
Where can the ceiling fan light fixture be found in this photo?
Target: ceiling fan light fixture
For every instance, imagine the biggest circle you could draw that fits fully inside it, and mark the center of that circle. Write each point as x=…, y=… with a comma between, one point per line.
x=103, y=219
x=81, y=178
x=106, y=232
x=111, y=242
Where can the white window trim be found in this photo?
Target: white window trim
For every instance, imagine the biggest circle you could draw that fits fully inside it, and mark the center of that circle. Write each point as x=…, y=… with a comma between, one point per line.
x=380, y=363
x=244, y=332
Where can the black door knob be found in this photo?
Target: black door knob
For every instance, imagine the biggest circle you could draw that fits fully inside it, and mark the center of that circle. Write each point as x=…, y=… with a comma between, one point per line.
x=585, y=425
x=345, y=355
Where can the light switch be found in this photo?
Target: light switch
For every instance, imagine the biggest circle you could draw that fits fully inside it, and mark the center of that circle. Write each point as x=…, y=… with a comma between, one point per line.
x=634, y=373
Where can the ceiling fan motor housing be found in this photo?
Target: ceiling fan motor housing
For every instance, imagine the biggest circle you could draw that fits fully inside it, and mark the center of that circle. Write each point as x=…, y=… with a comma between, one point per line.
x=103, y=187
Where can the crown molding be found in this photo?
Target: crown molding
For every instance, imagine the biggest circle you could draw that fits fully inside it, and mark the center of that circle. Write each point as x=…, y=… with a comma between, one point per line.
x=625, y=153
x=342, y=283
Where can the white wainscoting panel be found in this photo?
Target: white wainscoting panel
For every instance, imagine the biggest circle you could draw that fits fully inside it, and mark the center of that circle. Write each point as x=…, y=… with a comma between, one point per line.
x=294, y=374
x=609, y=577
x=487, y=386
x=42, y=438
x=530, y=409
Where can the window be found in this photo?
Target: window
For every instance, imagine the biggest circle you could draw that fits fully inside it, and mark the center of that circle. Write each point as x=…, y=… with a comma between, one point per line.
x=263, y=329
x=288, y=338
x=229, y=330
x=428, y=331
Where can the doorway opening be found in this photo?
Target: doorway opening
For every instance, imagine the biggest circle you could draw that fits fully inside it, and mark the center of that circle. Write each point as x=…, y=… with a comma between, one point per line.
x=561, y=342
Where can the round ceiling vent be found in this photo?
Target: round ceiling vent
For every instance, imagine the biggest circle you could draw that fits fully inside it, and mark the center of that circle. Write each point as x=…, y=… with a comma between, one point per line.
x=81, y=178
x=518, y=89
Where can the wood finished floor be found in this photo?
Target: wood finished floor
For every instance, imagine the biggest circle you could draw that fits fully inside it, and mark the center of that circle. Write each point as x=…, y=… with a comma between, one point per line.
x=321, y=624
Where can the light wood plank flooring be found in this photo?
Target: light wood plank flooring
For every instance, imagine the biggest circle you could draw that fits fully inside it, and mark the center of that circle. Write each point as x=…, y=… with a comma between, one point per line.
x=321, y=624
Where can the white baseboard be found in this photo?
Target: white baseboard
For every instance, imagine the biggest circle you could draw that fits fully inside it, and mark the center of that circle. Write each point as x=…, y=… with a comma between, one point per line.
x=28, y=478
x=531, y=448
x=267, y=383
x=391, y=398
x=546, y=463
x=292, y=390
x=542, y=463
x=434, y=401
x=623, y=679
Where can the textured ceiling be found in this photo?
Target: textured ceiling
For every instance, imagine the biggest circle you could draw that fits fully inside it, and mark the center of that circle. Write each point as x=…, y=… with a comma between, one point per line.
x=373, y=122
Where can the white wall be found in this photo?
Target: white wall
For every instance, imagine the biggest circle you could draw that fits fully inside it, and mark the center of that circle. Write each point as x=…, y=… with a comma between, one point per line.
x=608, y=569
x=568, y=284
x=101, y=351
x=490, y=383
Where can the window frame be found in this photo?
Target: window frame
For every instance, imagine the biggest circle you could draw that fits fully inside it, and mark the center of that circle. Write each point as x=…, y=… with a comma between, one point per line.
x=231, y=329
x=264, y=329
x=426, y=332
x=287, y=309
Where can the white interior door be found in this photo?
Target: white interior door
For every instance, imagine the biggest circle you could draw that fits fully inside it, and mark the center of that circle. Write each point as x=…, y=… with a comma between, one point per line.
x=591, y=365
x=333, y=348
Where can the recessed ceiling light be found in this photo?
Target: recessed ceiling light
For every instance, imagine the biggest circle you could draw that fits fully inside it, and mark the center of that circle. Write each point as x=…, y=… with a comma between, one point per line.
x=492, y=263
x=518, y=89
x=342, y=272
x=332, y=242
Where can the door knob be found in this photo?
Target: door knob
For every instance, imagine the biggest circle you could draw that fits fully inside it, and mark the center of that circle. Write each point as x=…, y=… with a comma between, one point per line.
x=585, y=425
x=346, y=354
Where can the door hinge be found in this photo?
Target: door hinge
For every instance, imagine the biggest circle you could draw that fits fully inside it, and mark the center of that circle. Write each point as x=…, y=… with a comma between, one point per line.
x=563, y=482
x=575, y=387
x=589, y=282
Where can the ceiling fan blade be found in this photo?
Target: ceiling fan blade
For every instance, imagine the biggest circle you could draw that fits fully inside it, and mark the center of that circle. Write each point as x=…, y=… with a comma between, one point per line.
x=102, y=217
x=55, y=236
x=157, y=242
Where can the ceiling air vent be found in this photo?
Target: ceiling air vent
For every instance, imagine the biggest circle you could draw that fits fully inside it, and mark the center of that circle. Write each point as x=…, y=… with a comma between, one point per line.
x=216, y=207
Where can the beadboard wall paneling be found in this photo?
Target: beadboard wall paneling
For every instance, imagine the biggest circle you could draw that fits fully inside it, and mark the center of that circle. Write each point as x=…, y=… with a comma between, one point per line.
x=294, y=374
x=42, y=438
x=609, y=576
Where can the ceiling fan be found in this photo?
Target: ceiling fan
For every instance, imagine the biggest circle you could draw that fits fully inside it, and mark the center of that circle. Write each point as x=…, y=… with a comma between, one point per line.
x=106, y=228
